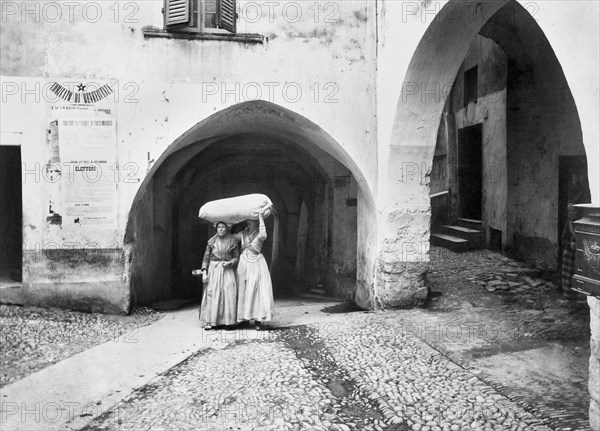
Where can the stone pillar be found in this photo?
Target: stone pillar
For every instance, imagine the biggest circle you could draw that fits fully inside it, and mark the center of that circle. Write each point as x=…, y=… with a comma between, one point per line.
x=594, y=379
x=404, y=223
x=403, y=259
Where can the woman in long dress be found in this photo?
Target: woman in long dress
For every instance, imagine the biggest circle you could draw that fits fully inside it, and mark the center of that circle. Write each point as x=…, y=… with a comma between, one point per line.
x=255, y=290
x=219, y=300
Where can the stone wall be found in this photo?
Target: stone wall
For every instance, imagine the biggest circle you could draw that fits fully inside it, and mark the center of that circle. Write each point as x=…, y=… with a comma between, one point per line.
x=521, y=141
x=382, y=65
x=594, y=379
x=319, y=64
x=490, y=112
x=412, y=129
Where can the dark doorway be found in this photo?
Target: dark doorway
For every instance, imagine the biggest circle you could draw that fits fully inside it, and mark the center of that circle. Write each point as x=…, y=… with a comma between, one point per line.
x=470, y=93
x=469, y=172
x=11, y=214
x=496, y=240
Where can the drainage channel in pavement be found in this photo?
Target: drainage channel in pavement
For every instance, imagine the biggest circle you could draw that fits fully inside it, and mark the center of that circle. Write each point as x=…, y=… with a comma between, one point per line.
x=352, y=406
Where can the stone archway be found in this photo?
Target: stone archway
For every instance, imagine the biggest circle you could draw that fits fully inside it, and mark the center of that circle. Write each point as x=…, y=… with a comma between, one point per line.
x=430, y=77
x=299, y=165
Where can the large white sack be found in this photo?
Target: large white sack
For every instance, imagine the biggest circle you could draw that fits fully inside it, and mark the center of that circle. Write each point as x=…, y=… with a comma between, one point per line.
x=234, y=210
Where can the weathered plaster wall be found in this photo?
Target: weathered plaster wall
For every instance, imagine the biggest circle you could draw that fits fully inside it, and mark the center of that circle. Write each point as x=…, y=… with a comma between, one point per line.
x=365, y=294
x=405, y=23
x=439, y=34
x=342, y=266
x=143, y=258
x=490, y=113
x=82, y=270
x=321, y=67
x=411, y=132
x=542, y=124
x=344, y=222
x=440, y=174
x=166, y=99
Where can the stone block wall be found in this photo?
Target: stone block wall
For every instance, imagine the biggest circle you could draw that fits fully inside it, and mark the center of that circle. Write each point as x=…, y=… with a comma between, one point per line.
x=594, y=379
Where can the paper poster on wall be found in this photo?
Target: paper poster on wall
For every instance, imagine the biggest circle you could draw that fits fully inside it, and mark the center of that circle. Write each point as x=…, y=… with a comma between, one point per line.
x=88, y=159
x=80, y=169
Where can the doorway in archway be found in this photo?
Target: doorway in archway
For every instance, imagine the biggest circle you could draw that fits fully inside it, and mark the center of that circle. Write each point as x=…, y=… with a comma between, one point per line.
x=507, y=125
x=469, y=172
x=312, y=242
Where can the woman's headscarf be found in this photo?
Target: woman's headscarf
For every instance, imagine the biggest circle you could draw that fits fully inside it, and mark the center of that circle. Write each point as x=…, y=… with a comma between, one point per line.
x=228, y=238
x=227, y=225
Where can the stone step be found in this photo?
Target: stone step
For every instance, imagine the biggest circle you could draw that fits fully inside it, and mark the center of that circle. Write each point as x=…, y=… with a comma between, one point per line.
x=462, y=229
x=450, y=242
x=475, y=237
x=470, y=223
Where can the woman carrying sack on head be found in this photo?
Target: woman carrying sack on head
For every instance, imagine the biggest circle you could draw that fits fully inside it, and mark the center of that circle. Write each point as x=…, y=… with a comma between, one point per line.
x=220, y=291
x=255, y=290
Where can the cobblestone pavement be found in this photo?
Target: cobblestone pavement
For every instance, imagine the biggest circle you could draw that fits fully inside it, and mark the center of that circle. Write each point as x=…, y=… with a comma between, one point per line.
x=507, y=322
x=32, y=338
x=483, y=354
x=505, y=298
x=476, y=358
x=361, y=372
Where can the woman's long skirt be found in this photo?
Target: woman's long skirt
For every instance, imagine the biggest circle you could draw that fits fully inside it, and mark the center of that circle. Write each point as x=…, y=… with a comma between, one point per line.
x=255, y=291
x=220, y=296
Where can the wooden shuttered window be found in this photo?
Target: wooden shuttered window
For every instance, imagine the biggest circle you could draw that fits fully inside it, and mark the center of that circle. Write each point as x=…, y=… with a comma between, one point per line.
x=226, y=16
x=200, y=15
x=177, y=12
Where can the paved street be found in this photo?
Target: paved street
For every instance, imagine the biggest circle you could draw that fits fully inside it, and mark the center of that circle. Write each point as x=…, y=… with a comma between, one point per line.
x=360, y=372
x=32, y=338
x=513, y=357
x=510, y=357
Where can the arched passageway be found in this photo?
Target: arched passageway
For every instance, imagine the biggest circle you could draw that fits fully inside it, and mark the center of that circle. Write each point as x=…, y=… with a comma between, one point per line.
x=488, y=125
x=254, y=147
x=487, y=110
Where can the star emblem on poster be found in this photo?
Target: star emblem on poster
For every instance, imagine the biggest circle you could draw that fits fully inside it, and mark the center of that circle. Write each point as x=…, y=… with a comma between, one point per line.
x=81, y=96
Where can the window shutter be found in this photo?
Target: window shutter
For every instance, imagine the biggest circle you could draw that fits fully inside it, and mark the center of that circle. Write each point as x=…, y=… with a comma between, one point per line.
x=227, y=15
x=178, y=12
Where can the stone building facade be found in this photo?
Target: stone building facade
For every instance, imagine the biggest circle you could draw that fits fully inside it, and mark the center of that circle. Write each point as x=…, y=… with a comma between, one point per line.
x=302, y=102
x=123, y=118
x=512, y=168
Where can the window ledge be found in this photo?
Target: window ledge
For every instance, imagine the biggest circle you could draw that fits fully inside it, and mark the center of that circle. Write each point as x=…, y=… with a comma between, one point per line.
x=240, y=37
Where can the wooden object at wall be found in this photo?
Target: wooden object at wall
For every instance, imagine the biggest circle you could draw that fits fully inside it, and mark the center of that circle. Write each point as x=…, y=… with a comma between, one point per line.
x=587, y=256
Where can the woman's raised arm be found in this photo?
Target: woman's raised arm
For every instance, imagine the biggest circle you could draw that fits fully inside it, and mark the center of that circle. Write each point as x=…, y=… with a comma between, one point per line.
x=262, y=230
